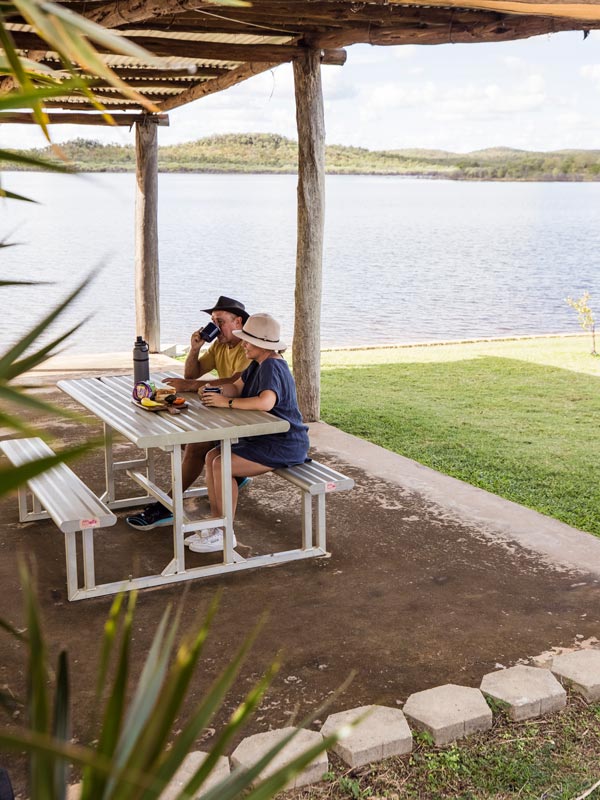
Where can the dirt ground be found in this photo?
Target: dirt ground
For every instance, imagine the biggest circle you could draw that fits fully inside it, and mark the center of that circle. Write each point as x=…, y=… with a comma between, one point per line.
x=409, y=599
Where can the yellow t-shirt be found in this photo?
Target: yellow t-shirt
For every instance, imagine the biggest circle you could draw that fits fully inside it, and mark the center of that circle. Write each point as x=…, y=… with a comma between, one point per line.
x=224, y=359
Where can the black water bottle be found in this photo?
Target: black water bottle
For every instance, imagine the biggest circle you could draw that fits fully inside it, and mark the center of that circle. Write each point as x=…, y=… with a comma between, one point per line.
x=141, y=361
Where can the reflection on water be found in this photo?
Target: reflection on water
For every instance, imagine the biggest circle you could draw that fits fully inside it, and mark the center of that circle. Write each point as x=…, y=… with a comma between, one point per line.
x=405, y=260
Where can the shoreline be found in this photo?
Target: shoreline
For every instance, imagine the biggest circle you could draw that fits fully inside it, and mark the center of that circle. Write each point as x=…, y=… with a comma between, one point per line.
x=446, y=342
x=167, y=358
x=421, y=176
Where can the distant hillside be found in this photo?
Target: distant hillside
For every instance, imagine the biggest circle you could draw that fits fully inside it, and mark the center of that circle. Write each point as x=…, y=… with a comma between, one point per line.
x=264, y=152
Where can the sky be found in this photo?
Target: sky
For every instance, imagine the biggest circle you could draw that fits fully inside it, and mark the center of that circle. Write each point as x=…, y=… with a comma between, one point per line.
x=536, y=94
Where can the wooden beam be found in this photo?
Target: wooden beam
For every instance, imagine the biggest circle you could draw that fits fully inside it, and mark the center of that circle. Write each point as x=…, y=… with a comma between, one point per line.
x=502, y=28
x=586, y=12
x=232, y=78
x=67, y=105
x=147, y=308
x=306, y=353
x=149, y=73
x=182, y=48
x=83, y=119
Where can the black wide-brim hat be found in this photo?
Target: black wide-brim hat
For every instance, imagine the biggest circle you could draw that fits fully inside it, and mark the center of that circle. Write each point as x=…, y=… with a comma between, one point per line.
x=229, y=304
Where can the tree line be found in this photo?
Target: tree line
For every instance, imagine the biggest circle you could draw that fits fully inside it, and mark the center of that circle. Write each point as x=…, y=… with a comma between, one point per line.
x=271, y=153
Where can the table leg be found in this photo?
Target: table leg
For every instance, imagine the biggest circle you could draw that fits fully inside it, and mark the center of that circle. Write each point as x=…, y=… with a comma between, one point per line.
x=227, y=500
x=109, y=496
x=177, y=497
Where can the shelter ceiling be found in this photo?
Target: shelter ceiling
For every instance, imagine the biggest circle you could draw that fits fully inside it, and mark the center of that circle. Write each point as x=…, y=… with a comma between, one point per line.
x=204, y=47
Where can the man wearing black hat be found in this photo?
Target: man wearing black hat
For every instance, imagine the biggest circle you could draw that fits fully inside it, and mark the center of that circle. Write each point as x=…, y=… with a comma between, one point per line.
x=228, y=358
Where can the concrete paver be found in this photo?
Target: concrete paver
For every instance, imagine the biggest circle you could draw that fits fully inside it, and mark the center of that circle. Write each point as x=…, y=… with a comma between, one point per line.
x=189, y=766
x=251, y=749
x=580, y=671
x=525, y=691
x=382, y=733
x=449, y=712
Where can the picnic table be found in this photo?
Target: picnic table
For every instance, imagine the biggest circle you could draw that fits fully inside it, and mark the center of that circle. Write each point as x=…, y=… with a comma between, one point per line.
x=109, y=398
x=59, y=494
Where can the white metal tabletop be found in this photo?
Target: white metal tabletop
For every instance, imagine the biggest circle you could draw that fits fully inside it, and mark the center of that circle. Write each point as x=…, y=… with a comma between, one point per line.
x=110, y=399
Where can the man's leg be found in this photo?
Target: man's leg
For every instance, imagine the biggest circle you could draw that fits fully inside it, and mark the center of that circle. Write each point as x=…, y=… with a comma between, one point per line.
x=156, y=515
x=193, y=462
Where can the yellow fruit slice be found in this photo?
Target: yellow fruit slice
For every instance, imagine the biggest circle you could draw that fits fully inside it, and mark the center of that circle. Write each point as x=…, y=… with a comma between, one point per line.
x=145, y=401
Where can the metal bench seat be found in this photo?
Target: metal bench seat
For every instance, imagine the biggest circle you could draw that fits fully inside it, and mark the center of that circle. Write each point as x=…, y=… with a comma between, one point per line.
x=315, y=480
x=60, y=495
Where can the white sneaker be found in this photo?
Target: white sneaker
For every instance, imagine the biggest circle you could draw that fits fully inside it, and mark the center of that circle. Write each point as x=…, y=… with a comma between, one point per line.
x=210, y=541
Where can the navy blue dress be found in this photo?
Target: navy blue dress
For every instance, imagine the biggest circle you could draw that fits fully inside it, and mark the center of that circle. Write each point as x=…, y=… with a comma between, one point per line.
x=275, y=449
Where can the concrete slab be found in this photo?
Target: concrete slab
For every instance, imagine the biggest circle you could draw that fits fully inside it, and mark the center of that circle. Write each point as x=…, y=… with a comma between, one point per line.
x=525, y=691
x=80, y=364
x=189, y=766
x=384, y=732
x=581, y=672
x=248, y=752
x=449, y=712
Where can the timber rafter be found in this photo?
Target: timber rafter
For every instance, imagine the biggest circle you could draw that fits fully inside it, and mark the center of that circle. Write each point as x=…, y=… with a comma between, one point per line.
x=207, y=48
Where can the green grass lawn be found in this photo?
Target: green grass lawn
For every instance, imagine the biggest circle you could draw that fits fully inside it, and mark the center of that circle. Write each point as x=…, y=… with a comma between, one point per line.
x=518, y=418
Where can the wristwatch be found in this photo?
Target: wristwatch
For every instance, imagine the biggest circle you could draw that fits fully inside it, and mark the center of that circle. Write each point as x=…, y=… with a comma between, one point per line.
x=230, y=404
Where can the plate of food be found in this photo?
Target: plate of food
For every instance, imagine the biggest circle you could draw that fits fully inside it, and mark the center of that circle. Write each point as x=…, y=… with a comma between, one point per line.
x=171, y=403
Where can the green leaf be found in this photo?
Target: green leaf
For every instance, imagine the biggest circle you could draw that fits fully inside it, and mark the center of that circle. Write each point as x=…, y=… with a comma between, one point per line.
x=17, y=396
x=110, y=633
x=146, y=695
x=201, y=716
x=25, y=283
x=61, y=728
x=27, y=364
x=151, y=744
x=14, y=352
x=41, y=773
x=13, y=477
x=234, y=725
x=34, y=161
x=12, y=196
x=94, y=784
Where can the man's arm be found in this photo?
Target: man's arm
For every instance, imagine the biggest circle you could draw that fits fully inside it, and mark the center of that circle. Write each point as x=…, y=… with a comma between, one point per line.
x=192, y=385
x=192, y=368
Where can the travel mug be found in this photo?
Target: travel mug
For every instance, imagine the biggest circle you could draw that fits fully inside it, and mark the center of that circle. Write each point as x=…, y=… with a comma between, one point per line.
x=210, y=332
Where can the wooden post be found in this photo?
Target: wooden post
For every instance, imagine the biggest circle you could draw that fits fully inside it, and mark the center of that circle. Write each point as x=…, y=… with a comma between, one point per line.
x=147, y=311
x=306, y=351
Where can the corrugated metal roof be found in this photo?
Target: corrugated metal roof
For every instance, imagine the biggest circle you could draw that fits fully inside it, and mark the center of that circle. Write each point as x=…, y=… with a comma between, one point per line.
x=228, y=43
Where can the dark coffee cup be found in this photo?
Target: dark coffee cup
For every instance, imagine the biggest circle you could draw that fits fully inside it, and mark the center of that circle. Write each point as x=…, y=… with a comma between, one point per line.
x=210, y=332
x=215, y=389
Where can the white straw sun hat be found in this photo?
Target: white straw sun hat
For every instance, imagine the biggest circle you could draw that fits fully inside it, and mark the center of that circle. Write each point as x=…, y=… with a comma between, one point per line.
x=262, y=330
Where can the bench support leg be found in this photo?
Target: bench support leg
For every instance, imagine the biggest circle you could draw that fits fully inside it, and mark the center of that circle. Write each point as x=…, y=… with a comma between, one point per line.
x=23, y=506
x=71, y=558
x=89, y=573
x=321, y=537
x=108, y=464
x=307, y=536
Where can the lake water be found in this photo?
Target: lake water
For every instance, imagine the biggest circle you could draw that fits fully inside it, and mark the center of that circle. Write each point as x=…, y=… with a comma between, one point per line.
x=405, y=260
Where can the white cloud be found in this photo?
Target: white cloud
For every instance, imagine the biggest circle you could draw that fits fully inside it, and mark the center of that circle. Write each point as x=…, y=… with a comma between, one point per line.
x=591, y=72
x=398, y=95
x=513, y=62
x=404, y=51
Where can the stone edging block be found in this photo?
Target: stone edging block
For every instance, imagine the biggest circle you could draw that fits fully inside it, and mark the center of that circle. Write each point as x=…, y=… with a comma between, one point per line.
x=252, y=748
x=382, y=733
x=580, y=671
x=526, y=691
x=449, y=712
x=190, y=764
